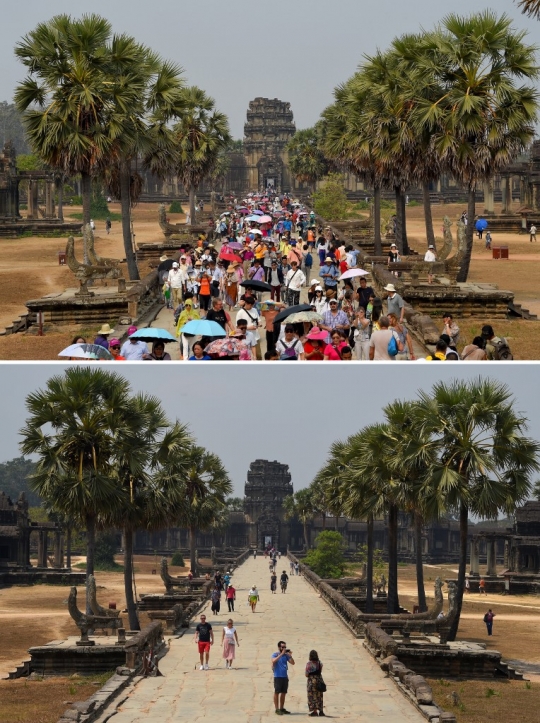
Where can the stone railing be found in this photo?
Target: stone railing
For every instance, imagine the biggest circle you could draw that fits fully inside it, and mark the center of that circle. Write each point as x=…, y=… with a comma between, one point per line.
x=173, y=618
x=151, y=638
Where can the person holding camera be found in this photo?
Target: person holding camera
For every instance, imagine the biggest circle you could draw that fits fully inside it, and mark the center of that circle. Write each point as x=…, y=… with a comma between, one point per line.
x=280, y=661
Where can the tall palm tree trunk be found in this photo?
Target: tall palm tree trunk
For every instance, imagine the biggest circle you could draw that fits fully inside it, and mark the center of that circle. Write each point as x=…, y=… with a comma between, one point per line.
x=393, y=599
x=306, y=535
x=377, y=221
x=405, y=238
x=68, y=547
x=399, y=220
x=369, y=566
x=125, y=202
x=469, y=235
x=128, y=580
x=418, y=525
x=428, y=216
x=86, y=193
x=60, y=188
x=192, y=550
x=90, y=554
x=463, y=532
x=192, y=204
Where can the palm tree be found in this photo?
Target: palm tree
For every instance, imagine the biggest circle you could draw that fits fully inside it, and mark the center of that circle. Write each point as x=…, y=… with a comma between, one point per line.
x=479, y=113
x=200, y=135
x=483, y=461
x=300, y=505
x=530, y=8
x=75, y=97
x=71, y=428
x=307, y=161
x=206, y=485
x=159, y=101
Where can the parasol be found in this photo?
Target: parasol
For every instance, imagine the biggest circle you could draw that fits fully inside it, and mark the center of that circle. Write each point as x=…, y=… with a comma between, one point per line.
x=351, y=273
x=203, y=327
x=86, y=351
x=153, y=334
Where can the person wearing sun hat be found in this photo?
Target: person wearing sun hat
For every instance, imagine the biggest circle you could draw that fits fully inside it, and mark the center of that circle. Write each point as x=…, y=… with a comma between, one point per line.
x=395, y=303
x=329, y=274
x=315, y=344
x=102, y=336
x=430, y=257
x=189, y=314
x=114, y=348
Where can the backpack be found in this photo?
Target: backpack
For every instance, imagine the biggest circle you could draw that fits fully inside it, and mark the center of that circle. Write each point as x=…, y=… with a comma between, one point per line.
x=308, y=261
x=290, y=352
x=392, y=346
x=486, y=619
x=501, y=351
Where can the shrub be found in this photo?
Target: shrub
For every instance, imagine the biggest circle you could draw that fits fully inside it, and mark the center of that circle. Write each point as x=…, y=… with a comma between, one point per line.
x=105, y=551
x=77, y=200
x=330, y=201
x=177, y=560
x=176, y=207
x=327, y=559
x=98, y=206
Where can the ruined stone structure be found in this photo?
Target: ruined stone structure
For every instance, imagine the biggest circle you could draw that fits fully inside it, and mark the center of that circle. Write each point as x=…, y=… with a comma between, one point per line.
x=268, y=129
x=15, y=531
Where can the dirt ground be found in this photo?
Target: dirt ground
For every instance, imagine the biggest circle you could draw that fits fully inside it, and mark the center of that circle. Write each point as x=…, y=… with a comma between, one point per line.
x=36, y=259
x=35, y=615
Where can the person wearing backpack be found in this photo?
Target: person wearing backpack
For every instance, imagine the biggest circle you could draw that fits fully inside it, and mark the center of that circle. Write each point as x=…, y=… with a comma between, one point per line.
x=308, y=263
x=496, y=348
x=384, y=344
x=290, y=348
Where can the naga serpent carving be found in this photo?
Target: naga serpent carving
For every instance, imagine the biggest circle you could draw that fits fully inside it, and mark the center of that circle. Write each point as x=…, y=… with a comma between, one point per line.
x=96, y=260
x=85, y=272
x=86, y=623
x=96, y=608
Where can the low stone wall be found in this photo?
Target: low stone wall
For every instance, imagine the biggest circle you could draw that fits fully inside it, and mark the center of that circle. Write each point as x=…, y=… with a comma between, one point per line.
x=92, y=660
x=48, y=577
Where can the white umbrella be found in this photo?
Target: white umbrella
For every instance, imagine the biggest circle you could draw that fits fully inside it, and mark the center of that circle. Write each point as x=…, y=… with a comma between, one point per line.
x=254, y=231
x=351, y=273
x=86, y=351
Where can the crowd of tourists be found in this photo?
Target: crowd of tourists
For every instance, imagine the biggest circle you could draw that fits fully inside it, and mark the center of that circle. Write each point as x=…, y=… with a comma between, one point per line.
x=204, y=637
x=247, y=275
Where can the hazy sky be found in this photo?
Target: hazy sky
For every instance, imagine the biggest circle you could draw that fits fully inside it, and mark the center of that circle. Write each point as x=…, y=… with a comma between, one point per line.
x=295, y=50
x=290, y=413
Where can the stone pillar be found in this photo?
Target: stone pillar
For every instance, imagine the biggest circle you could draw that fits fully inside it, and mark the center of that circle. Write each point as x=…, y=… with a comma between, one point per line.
x=491, y=558
x=474, y=563
x=49, y=200
x=58, y=549
x=489, y=202
x=507, y=195
x=30, y=207
x=507, y=554
x=42, y=548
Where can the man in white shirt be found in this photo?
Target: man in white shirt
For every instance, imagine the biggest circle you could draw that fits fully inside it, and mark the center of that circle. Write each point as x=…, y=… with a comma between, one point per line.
x=430, y=256
x=250, y=314
x=294, y=281
x=175, y=281
x=133, y=349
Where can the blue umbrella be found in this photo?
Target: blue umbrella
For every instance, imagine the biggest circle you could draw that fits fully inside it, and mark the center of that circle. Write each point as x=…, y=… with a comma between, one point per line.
x=203, y=327
x=151, y=334
x=481, y=224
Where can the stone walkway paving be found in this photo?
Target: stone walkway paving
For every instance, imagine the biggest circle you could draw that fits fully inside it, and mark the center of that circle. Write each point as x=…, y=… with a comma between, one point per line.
x=357, y=689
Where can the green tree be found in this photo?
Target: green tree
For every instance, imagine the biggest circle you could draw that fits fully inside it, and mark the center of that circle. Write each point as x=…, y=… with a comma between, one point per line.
x=483, y=461
x=71, y=427
x=15, y=478
x=530, y=8
x=330, y=201
x=300, y=505
x=235, y=504
x=201, y=133
x=307, y=161
x=205, y=486
x=479, y=113
x=327, y=559
x=75, y=98
x=12, y=128
x=106, y=548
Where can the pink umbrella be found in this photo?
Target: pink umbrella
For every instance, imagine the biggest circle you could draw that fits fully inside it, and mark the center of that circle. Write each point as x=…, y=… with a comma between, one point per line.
x=351, y=273
x=265, y=219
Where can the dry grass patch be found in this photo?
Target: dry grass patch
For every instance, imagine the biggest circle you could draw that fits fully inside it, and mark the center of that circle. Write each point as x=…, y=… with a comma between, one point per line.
x=482, y=701
x=43, y=701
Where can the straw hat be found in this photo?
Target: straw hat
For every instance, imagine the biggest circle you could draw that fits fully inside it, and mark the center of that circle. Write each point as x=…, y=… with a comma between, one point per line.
x=105, y=330
x=164, y=257
x=390, y=287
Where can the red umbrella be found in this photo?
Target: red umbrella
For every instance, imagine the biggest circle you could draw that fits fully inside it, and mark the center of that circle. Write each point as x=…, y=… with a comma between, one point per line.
x=229, y=256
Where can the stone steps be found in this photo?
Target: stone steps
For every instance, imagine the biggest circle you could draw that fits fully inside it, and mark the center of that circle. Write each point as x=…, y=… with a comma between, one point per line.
x=518, y=310
x=505, y=669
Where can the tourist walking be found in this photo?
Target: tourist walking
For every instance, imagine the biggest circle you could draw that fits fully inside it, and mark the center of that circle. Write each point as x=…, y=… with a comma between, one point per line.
x=488, y=619
x=231, y=597
x=204, y=637
x=315, y=685
x=133, y=349
x=273, y=583
x=216, y=600
x=379, y=344
x=253, y=598
x=482, y=587
x=394, y=302
x=229, y=640
x=296, y=568
x=430, y=257
x=283, y=580
x=280, y=662
x=294, y=280
x=532, y=233
x=291, y=565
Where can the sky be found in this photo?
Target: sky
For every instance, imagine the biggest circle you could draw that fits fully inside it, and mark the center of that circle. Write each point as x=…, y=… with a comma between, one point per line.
x=288, y=413
x=294, y=50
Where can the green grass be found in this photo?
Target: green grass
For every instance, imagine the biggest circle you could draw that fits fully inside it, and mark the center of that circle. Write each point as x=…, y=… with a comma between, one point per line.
x=98, y=217
x=101, y=568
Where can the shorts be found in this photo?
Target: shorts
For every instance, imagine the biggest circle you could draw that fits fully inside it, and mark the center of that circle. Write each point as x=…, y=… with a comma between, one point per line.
x=204, y=647
x=281, y=685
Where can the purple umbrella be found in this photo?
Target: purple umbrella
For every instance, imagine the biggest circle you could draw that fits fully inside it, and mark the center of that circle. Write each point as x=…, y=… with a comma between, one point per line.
x=258, y=213
x=236, y=245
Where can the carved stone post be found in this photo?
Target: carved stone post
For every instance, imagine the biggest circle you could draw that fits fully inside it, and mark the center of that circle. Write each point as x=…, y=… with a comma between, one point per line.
x=507, y=195
x=48, y=200
x=507, y=554
x=474, y=563
x=58, y=551
x=42, y=548
x=31, y=207
x=491, y=558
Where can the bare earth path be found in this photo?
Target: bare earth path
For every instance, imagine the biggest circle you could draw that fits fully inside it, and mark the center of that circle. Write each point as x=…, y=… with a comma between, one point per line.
x=357, y=689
